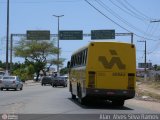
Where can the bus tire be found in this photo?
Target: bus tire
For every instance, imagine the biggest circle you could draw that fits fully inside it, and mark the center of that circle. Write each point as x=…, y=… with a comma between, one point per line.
x=73, y=96
x=81, y=100
x=118, y=103
x=70, y=87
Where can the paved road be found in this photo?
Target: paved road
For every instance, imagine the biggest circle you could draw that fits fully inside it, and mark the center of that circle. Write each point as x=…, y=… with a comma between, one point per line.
x=37, y=99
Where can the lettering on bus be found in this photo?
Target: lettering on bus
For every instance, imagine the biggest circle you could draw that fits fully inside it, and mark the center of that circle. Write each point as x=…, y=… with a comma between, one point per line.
x=118, y=74
x=114, y=60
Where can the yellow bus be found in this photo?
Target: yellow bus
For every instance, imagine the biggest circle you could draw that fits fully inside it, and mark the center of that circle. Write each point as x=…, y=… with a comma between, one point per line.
x=103, y=70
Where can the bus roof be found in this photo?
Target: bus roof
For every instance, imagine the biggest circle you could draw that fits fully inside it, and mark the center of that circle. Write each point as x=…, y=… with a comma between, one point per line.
x=86, y=46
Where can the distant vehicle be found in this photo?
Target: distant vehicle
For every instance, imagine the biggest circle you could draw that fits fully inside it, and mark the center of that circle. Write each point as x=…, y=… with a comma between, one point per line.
x=39, y=78
x=2, y=73
x=59, y=81
x=1, y=77
x=46, y=80
x=11, y=82
x=104, y=71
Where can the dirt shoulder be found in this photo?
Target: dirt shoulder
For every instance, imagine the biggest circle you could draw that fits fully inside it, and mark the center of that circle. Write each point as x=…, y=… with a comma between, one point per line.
x=148, y=90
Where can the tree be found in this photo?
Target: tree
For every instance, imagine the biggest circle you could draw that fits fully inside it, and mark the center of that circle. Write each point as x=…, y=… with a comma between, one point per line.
x=2, y=65
x=21, y=72
x=156, y=67
x=64, y=71
x=36, y=53
x=30, y=71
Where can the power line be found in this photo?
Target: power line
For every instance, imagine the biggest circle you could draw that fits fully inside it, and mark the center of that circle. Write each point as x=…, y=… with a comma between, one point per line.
x=134, y=14
x=131, y=14
x=153, y=29
x=131, y=11
x=148, y=18
x=118, y=17
x=116, y=22
x=107, y=17
x=154, y=48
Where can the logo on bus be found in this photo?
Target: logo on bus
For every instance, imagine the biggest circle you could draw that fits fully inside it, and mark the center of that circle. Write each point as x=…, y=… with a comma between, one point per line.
x=115, y=60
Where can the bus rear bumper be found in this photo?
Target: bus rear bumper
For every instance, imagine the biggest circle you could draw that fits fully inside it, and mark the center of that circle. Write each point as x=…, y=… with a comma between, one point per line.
x=110, y=94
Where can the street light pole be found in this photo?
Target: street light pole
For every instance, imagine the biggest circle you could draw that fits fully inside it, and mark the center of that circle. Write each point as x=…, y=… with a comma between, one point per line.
x=58, y=16
x=7, y=37
x=11, y=51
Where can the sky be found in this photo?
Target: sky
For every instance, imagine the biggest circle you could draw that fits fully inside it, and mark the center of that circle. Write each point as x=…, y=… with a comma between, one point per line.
x=121, y=15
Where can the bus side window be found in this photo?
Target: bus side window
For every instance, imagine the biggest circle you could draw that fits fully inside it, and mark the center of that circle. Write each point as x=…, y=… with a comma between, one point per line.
x=82, y=63
x=74, y=60
x=85, y=56
x=78, y=55
x=71, y=62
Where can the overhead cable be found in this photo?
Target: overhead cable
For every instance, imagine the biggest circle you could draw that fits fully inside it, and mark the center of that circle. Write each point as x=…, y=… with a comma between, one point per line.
x=116, y=22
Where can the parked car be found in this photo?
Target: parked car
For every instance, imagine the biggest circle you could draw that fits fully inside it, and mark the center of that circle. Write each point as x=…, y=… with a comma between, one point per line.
x=2, y=73
x=59, y=81
x=46, y=80
x=11, y=82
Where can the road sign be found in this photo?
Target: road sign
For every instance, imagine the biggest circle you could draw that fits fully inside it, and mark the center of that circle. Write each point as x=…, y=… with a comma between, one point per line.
x=102, y=34
x=71, y=35
x=38, y=35
x=142, y=65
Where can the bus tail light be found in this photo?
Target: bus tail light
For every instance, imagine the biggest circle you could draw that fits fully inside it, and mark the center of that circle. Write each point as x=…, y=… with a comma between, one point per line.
x=131, y=78
x=92, y=78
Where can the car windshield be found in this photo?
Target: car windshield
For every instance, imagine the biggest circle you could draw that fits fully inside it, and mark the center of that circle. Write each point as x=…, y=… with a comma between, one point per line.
x=8, y=78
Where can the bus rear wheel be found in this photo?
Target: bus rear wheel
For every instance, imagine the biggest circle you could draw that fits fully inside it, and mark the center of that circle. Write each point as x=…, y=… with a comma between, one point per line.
x=118, y=103
x=73, y=96
x=81, y=100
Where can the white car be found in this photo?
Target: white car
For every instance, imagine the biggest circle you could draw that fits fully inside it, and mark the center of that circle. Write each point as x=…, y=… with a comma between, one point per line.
x=1, y=77
x=11, y=82
x=39, y=78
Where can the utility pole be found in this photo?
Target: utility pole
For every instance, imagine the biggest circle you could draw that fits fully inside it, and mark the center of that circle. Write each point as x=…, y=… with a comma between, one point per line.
x=145, y=59
x=58, y=16
x=7, y=37
x=145, y=55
